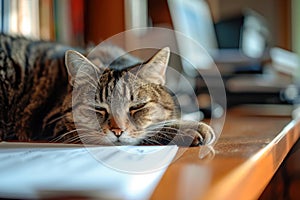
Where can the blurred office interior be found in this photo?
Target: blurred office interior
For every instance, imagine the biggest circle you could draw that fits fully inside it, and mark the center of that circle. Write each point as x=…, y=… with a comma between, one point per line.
x=254, y=44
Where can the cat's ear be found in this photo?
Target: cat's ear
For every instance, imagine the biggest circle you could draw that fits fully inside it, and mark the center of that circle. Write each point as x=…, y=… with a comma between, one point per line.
x=155, y=69
x=79, y=66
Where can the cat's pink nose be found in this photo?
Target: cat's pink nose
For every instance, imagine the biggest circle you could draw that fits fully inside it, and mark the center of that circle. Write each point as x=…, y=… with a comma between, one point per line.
x=118, y=132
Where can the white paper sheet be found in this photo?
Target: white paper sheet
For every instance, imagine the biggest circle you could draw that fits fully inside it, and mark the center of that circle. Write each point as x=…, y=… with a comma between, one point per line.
x=126, y=172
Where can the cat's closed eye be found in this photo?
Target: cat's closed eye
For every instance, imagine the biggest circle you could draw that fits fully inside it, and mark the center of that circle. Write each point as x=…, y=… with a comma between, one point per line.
x=137, y=107
x=102, y=111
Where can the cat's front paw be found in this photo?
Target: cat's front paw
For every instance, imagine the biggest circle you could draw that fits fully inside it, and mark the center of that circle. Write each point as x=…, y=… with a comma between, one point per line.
x=197, y=138
x=180, y=132
x=192, y=133
x=203, y=134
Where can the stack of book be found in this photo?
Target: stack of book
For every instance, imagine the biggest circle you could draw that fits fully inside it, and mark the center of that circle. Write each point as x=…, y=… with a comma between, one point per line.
x=55, y=20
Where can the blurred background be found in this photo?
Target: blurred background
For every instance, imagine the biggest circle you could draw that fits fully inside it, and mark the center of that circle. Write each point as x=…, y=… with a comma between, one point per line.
x=96, y=20
x=254, y=43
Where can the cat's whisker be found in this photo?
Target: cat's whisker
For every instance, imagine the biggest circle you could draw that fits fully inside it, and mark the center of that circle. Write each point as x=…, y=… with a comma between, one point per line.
x=155, y=132
x=74, y=139
x=58, y=139
x=65, y=134
x=164, y=135
x=92, y=137
x=56, y=119
x=158, y=128
x=165, y=122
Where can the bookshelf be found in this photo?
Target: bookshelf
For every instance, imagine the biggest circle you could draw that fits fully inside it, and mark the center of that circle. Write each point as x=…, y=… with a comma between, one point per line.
x=71, y=22
x=55, y=20
x=81, y=22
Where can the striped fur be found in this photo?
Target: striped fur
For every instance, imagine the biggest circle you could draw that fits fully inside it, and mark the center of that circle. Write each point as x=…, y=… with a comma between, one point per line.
x=33, y=81
x=110, y=98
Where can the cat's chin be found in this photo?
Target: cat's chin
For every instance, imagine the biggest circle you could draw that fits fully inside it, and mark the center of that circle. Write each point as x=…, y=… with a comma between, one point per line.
x=118, y=143
x=124, y=142
x=125, y=139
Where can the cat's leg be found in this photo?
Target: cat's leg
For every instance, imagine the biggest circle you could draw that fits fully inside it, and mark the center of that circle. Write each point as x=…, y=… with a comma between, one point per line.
x=65, y=131
x=181, y=133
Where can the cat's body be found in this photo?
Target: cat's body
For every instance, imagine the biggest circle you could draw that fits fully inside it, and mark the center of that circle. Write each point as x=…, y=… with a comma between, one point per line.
x=33, y=80
x=117, y=100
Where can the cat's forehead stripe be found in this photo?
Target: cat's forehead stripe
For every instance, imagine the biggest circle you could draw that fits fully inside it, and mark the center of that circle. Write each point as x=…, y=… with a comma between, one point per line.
x=110, y=84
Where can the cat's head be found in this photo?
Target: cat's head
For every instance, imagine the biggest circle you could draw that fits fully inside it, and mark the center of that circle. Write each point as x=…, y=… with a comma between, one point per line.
x=114, y=106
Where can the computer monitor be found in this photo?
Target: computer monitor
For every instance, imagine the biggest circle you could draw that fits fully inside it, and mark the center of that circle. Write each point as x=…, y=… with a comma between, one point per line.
x=239, y=40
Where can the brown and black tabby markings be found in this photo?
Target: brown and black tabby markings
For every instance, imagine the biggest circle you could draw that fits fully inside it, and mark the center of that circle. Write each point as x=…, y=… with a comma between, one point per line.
x=49, y=92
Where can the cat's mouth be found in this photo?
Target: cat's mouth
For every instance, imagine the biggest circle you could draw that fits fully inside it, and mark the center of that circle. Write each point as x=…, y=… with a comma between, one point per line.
x=123, y=141
x=120, y=143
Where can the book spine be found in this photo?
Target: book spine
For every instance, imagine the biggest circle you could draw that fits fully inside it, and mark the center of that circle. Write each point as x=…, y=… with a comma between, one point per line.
x=13, y=22
x=62, y=21
x=6, y=9
x=77, y=22
x=46, y=19
x=1, y=16
x=24, y=18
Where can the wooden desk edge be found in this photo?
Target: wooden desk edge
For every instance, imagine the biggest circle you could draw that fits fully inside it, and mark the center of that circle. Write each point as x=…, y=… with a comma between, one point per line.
x=261, y=165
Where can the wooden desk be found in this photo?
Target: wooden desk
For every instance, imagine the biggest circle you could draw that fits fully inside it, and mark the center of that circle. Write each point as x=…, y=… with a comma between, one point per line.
x=248, y=153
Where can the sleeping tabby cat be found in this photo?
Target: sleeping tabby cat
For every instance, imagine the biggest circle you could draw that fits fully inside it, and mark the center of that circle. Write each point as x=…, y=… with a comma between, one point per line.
x=110, y=98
